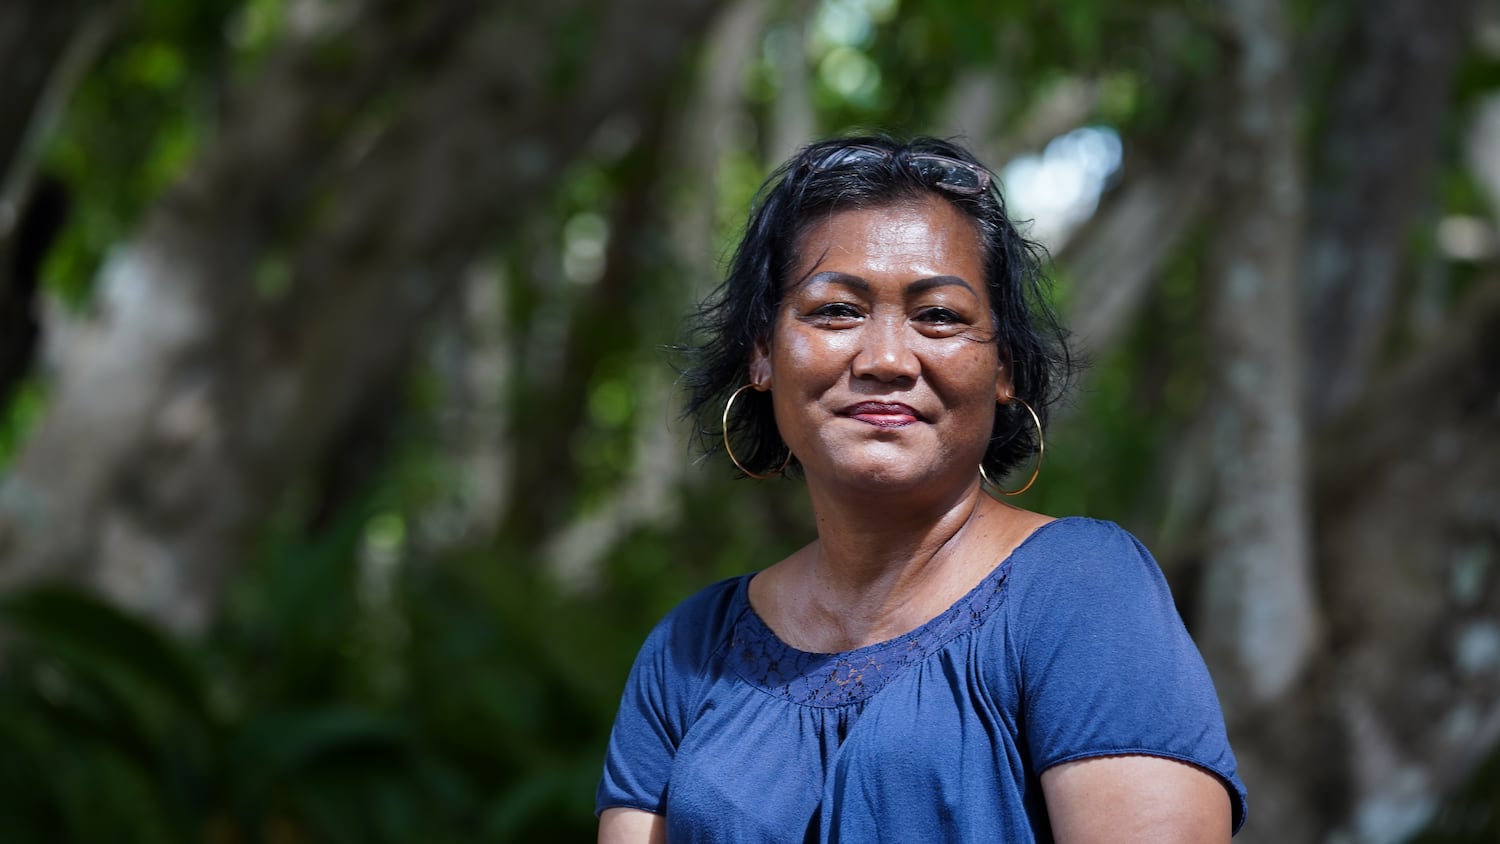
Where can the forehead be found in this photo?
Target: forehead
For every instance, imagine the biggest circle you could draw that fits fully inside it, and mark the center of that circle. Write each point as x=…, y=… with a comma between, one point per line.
x=920, y=237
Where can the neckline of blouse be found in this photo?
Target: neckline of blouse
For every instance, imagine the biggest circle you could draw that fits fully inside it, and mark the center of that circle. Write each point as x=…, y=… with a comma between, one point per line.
x=762, y=659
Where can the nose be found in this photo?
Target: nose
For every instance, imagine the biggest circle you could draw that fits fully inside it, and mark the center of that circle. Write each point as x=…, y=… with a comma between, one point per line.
x=885, y=353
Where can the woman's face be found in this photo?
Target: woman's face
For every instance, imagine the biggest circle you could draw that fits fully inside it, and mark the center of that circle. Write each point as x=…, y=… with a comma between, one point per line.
x=881, y=362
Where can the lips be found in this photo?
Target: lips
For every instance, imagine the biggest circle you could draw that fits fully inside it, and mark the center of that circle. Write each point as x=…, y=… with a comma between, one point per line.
x=882, y=414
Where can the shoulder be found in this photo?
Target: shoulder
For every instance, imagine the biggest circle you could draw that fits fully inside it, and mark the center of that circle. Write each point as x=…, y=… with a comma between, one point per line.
x=1073, y=586
x=1089, y=614
x=1077, y=555
x=695, y=628
x=711, y=607
x=1076, y=537
x=660, y=697
x=676, y=656
x=1078, y=580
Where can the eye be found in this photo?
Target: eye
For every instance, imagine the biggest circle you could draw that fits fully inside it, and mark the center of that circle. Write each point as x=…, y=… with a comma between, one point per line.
x=939, y=316
x=837, y=311
x=936, y=321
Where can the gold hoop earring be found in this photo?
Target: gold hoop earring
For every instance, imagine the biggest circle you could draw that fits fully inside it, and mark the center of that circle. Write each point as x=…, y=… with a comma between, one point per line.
x=1041, y=449
x=730, y=451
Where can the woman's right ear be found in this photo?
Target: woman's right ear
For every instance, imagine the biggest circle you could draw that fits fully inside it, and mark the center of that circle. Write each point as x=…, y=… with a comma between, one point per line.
x=760, y=366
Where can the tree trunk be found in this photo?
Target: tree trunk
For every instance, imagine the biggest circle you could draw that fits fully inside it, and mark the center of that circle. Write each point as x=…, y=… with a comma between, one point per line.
x=1410, y=524
x=1258, y=605
x=235, y=336
x=1375, y=166
x=1258, y=616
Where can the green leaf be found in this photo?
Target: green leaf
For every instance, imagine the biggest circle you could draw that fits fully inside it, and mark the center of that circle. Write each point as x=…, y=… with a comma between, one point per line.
x=106, y=643
x=273, y=747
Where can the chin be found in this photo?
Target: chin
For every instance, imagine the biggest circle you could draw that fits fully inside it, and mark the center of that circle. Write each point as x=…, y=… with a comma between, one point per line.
x=884, y=478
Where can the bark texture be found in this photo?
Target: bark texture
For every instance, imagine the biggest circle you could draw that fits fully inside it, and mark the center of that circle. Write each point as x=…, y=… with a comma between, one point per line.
x=1258, y=617
x=1258, y=609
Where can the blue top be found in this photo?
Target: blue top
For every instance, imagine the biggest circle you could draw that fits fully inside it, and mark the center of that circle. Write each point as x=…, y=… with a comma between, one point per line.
x=1070, y=648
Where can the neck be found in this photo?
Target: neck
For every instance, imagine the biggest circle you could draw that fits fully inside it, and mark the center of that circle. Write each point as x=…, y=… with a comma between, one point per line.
x=865, y=539
x=880, y=566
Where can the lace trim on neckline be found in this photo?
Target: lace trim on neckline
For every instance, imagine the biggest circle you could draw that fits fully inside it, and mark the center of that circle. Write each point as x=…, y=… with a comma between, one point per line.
x=850, y=677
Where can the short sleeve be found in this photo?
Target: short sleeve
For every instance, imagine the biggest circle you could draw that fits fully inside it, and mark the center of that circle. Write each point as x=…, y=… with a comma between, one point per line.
x=1106, y=665
x=658, y=702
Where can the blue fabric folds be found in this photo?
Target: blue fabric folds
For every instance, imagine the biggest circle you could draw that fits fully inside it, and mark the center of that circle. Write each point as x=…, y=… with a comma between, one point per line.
x=1070, y=648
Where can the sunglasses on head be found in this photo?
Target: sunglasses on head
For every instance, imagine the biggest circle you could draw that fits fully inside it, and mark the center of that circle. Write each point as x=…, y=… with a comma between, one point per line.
x=939, y=171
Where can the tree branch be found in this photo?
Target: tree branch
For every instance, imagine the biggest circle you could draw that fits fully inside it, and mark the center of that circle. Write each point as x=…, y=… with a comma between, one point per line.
x=195, y=400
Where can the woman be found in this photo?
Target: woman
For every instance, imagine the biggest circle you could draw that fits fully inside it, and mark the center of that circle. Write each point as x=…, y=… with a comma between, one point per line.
x=936, y=665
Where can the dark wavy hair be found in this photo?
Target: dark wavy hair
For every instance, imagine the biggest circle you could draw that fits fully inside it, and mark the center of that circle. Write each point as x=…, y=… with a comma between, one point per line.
x=1029, y=339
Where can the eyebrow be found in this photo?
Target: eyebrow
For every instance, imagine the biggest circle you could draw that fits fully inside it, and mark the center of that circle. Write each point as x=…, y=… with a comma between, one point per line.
x=921, y=285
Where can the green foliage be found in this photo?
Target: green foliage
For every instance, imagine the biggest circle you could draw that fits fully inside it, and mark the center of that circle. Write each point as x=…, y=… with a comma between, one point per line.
x=270, y=730
x=102, y=715
x=132, y=127
x=18, y=416
x=1478, y=76
x=366, y=683
x=465, y=697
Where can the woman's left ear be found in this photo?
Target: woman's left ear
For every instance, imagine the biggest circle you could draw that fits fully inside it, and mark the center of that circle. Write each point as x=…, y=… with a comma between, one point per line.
x=760, y=366
x=1004, y=390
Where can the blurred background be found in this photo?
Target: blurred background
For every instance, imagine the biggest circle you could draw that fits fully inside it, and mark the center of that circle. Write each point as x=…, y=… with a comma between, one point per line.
x=340, y=466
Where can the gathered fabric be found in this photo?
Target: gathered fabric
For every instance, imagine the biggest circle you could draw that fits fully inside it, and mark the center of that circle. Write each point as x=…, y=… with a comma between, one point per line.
x=1069, y=648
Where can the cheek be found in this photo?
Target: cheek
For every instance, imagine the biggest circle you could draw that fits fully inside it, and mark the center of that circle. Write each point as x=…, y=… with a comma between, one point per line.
x=803, y=356
x=971, y=378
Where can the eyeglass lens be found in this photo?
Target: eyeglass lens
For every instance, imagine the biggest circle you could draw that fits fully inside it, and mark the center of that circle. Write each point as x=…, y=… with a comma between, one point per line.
x=949, y=173
x=937, y=170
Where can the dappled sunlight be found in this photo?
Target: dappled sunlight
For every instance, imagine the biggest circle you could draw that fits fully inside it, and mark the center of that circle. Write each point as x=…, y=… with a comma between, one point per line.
x=342, y=462
x=1059, y=188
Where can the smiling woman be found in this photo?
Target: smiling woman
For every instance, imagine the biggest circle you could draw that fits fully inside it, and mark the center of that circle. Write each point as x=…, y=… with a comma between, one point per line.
x=935, y=665
x=881, y=361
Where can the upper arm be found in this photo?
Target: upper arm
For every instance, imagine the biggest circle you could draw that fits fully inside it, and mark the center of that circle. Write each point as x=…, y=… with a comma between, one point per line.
x=647, y=729
x=658, y=700
x=1108, y=674
x=631, y=826
x=1128, y=799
